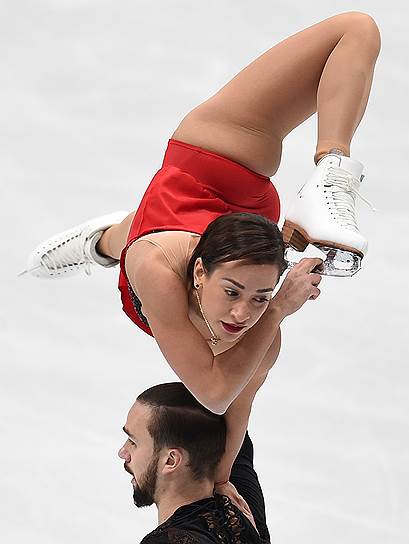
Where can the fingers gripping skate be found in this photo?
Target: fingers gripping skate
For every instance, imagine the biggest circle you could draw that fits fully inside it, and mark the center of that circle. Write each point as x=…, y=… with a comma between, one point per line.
x=339, y=261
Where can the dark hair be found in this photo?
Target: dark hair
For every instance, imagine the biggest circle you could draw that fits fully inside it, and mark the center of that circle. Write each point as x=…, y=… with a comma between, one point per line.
x=179, y=420
x=239, y=236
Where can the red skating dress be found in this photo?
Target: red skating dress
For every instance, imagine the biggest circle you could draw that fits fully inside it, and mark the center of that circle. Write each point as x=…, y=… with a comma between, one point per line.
x=194, y=187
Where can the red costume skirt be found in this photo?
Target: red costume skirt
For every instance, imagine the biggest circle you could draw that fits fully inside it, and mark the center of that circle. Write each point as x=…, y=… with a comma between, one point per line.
x=194, y=187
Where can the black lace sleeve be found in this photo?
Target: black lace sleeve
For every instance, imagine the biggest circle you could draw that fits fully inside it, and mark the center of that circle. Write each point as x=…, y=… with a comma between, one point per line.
x=207, y=521
x=160, y=538
x=174, y=535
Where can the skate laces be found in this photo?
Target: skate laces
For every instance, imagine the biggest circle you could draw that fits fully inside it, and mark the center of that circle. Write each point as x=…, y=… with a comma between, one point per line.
x=73, y=254
x=344, y=188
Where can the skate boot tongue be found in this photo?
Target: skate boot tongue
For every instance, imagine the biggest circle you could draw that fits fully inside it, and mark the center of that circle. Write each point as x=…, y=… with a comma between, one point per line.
x=353, y=167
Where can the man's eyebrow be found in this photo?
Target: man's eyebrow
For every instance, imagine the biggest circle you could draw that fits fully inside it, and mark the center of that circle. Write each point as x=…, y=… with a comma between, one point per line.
x=240, y=286
x=128, y=433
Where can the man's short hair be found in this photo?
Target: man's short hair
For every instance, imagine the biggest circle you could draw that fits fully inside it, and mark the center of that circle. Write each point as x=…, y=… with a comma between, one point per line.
x=178, y=420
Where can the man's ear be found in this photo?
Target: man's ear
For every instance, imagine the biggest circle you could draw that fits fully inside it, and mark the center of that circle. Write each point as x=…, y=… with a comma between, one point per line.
x=172, y=460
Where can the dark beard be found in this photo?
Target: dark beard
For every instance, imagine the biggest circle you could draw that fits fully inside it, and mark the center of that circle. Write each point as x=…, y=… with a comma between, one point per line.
x=144, y=494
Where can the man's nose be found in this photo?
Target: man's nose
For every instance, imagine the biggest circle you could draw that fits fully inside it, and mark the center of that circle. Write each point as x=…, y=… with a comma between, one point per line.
x=124, y=454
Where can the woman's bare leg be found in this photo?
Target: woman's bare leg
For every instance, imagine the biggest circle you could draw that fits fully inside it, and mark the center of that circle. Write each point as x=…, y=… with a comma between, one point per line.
x=113, y=240
x=327, y=67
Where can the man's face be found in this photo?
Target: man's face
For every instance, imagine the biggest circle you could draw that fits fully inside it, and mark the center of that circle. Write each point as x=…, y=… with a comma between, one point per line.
x=139, y=457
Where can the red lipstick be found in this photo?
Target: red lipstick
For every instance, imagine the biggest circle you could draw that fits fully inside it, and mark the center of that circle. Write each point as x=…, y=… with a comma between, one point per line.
x=229, y=327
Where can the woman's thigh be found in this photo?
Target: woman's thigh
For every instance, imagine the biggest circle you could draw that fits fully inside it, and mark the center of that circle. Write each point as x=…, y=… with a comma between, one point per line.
x=249, y=117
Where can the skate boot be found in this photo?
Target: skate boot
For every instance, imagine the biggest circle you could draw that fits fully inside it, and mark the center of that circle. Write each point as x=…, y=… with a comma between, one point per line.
x=73, y=250
x=323, y=214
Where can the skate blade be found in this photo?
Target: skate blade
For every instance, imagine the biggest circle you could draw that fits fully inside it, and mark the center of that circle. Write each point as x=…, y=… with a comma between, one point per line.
x=28, y=271
x=337, y=262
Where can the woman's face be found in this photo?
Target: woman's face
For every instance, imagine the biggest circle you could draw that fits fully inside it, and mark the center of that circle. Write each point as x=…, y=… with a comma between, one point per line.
x=235, y=295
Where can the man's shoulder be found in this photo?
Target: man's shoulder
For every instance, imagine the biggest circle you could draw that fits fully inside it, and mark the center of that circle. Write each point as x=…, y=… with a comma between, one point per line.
x=174, y=535
x=207, y=521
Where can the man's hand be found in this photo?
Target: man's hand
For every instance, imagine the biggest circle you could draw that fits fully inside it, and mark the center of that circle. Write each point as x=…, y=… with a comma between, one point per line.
x=230, y=491
x=299, y=286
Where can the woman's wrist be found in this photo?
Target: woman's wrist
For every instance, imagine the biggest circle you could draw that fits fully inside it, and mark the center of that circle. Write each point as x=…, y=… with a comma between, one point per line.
x=275, y=310
x=223, y=474
x=216, y=484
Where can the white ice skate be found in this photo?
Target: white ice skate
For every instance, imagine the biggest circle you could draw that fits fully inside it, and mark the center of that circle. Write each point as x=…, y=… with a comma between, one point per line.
x=323, y=214
x=73, y=250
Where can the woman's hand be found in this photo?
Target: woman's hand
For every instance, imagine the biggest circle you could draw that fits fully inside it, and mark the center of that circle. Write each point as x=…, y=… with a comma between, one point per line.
x=228, y=489
x=299, y=286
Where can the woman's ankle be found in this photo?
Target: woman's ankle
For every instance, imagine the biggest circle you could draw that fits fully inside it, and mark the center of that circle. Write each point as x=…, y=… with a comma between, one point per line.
x=336, y=150
x=103, y=246
x=114, y=239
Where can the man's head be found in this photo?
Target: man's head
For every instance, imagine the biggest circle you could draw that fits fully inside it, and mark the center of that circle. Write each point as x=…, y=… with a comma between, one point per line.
x=172, y=441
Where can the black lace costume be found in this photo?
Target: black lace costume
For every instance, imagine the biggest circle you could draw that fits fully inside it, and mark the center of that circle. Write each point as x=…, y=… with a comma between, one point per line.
x=215, y=520
x=137, y=304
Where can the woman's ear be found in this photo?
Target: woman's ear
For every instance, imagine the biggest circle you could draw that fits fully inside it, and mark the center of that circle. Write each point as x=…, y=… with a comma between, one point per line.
x=198, y=271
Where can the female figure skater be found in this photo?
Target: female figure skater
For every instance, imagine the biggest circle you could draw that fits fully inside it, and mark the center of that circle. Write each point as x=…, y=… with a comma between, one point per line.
x=202, y=254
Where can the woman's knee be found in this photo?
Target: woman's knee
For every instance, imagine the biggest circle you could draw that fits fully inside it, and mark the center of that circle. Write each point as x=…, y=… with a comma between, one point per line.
x=365, y=28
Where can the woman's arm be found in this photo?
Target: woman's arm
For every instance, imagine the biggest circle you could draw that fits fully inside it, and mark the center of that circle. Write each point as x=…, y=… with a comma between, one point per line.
x=238, y=413
x=214, y=381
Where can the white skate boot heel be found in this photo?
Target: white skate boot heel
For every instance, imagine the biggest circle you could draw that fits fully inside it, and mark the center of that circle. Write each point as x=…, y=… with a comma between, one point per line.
x=323, y=214
x=73, y=250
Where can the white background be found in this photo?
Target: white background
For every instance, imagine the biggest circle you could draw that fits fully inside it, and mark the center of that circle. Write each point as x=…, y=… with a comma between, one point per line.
x=90, y=92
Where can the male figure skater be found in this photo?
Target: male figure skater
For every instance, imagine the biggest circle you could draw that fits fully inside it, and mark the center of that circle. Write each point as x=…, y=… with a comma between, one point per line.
x=173, y=448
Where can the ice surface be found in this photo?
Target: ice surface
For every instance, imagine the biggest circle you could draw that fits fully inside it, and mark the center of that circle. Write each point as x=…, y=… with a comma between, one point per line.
x=90, y=93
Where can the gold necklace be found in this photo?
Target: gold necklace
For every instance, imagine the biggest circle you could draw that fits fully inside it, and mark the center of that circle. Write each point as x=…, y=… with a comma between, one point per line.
x=214, y=339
